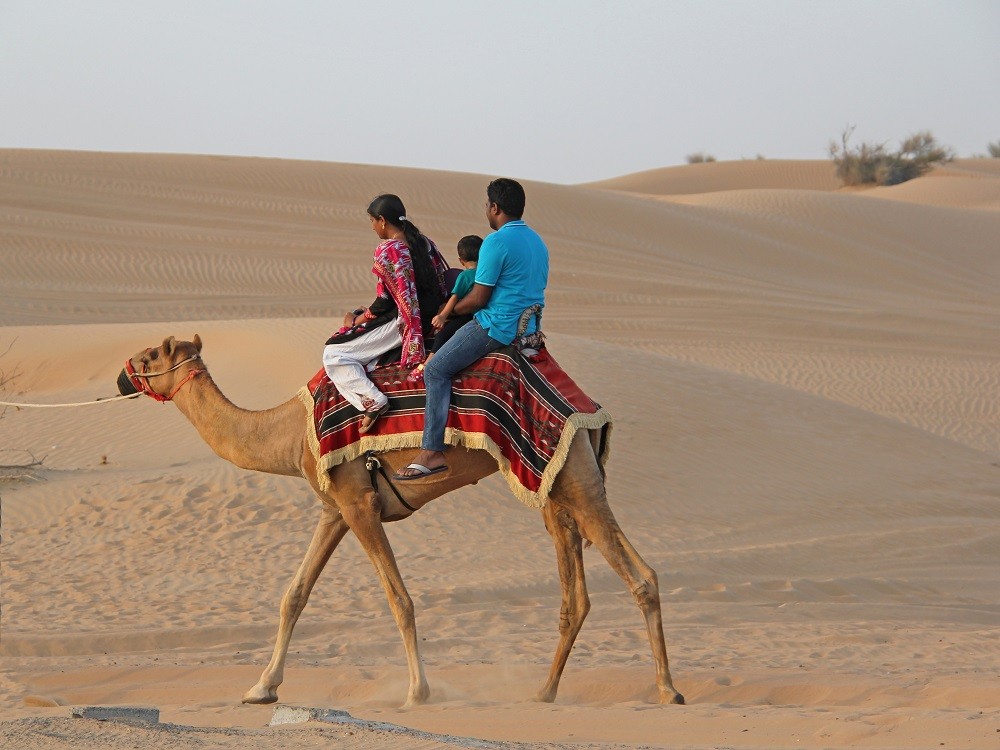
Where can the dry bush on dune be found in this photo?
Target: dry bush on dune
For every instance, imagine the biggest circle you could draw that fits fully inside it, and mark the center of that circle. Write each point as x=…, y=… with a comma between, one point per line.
x=994, y=149
x=873, y=164
x=700, y=158
x=24, y=468
x=6, y=378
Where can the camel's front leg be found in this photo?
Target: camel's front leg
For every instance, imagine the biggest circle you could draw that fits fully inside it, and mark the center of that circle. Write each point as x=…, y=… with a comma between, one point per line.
x=575, y=602
x=364, y=518
x=330, y=530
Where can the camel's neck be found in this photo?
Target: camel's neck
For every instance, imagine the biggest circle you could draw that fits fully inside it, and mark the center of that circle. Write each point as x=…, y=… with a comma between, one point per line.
x=269, y=441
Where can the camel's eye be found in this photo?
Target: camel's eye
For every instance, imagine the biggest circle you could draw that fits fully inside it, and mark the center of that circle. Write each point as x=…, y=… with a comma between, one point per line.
x=154, y=355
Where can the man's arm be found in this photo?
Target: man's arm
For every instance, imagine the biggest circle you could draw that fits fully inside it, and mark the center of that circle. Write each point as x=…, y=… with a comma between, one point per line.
x=475, y=300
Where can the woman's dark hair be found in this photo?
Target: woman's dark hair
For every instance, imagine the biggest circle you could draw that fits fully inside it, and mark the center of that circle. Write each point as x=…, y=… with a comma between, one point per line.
x=508, y=195
x=390, y=208
x=468, y=248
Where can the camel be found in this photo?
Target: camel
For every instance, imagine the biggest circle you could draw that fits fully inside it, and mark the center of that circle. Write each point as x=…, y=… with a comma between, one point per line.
x=275, y=441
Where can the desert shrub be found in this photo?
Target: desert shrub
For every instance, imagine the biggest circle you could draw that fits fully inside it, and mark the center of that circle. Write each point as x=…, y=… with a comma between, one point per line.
x=874, y=164
x=994, y=149
x=7, y=377
x=26, y=465
x=700, y=158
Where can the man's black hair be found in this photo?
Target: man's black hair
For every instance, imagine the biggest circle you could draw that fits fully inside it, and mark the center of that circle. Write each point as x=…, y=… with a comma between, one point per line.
x=508, y=195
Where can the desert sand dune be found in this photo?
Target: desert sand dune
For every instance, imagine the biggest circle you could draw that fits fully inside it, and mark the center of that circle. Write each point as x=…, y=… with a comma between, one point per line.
x=710, y=177
x=806, y=446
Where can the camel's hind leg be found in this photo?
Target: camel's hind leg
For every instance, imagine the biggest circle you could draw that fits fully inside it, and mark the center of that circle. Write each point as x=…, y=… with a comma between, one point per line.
x=364, y=518
x=580, y=489
x=575, y=602
x=330, y=530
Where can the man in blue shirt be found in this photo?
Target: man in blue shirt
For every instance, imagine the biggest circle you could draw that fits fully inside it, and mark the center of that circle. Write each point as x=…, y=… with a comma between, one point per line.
x=511, y=277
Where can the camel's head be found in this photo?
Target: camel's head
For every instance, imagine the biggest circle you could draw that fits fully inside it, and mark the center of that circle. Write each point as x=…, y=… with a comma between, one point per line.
x=160, y=373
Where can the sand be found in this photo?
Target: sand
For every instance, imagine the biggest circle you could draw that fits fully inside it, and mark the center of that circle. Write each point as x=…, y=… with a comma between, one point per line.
x=805, y=382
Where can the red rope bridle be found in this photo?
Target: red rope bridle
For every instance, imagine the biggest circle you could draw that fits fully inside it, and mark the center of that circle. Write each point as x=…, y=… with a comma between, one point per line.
x=141, y=379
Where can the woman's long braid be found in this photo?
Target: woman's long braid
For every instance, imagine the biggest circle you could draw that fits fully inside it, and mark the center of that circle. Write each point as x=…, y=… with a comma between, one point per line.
x=428, y=288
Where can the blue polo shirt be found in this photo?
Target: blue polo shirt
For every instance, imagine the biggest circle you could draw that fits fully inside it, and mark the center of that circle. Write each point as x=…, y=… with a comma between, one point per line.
x=515, y=262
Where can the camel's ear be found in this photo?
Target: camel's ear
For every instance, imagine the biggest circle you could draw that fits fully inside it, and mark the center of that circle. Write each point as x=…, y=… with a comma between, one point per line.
x=197, y=342
x=168, y=346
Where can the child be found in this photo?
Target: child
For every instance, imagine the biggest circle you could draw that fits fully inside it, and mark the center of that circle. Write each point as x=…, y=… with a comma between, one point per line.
x=445, y=325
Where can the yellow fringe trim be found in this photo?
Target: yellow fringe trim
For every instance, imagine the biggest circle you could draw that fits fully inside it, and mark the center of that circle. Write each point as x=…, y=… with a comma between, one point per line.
x=470, y=440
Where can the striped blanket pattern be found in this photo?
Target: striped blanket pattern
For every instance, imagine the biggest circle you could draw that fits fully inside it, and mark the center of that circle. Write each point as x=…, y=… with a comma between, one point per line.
x=524, y=411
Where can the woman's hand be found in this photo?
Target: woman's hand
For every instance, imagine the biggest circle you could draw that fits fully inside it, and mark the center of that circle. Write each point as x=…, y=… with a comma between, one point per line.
x=351, y=317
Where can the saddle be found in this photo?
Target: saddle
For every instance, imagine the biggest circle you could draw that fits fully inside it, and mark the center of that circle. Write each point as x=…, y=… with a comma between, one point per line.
x=516, y=403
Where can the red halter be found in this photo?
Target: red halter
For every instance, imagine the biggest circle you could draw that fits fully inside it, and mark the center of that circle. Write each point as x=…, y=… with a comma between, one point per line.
x=141, y=380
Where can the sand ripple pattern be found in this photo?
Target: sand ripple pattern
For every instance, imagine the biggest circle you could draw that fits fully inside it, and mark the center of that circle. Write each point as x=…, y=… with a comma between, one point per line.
x=954, y=397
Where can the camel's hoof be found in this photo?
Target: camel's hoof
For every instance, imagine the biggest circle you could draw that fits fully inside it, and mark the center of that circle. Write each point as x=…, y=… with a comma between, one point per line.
x=260, y=696
x=677, y=699
x=419, y=698
x=545, y=696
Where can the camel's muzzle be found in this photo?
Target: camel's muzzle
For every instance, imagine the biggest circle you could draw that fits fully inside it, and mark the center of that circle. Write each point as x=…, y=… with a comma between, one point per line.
x=126, y=385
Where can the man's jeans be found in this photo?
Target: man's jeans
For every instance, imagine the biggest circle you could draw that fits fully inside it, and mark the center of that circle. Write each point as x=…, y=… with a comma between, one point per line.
x=469, y=344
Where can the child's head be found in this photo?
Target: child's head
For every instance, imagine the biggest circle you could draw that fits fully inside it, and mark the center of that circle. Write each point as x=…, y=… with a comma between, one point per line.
x=468, y=248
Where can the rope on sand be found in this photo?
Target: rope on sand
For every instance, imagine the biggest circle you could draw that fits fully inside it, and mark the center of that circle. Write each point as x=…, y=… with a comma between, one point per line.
x=60, y=406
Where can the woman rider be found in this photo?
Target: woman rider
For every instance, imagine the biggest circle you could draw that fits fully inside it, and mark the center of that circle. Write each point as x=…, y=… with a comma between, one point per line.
x=410, y=291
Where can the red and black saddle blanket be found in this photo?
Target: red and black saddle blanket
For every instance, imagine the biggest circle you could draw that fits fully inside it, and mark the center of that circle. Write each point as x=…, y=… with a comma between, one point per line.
x=523, y=411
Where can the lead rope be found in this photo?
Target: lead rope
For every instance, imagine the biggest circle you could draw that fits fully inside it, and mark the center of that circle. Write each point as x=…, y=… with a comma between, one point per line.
x=107, y=400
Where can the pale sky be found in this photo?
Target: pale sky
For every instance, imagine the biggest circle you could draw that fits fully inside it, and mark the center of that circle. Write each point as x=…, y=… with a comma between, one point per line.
x=554, y=90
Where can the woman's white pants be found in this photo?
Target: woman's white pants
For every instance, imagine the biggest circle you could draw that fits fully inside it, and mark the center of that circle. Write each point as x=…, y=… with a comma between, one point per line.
x=345, y=364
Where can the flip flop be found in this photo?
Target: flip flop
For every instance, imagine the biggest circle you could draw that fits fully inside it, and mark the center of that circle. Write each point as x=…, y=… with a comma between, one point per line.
x=424, y=472
x=370, y=418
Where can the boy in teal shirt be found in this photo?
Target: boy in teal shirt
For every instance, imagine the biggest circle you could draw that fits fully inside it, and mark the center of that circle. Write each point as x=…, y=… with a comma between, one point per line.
x=445, y=324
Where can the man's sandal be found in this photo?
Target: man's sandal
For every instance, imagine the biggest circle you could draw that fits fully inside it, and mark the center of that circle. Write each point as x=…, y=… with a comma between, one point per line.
x=422, y=471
